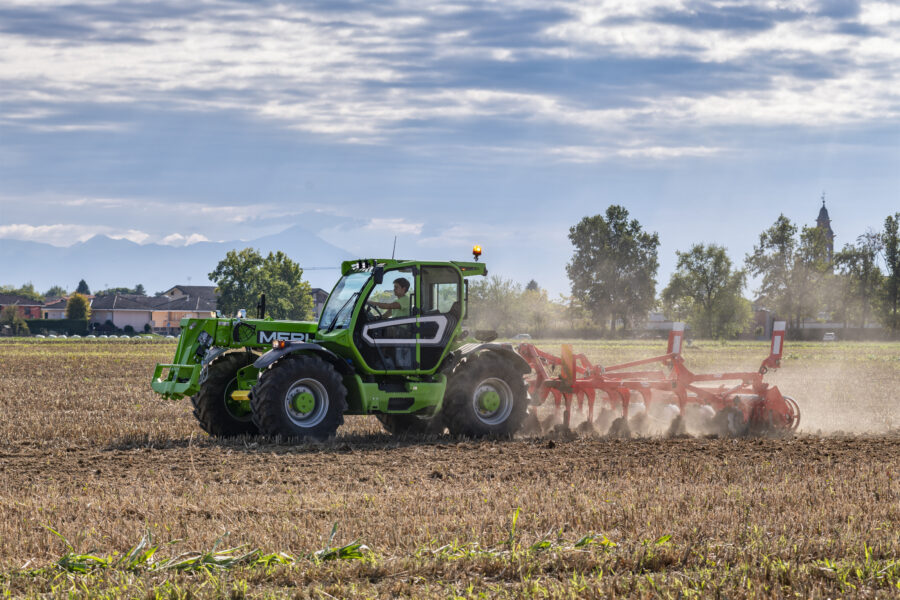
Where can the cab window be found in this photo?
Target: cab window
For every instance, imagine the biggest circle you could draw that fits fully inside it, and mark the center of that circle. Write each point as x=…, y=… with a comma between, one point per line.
x=394, y=297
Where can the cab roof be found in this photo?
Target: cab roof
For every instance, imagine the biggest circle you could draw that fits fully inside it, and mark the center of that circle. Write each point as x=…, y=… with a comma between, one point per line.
x=469, y=269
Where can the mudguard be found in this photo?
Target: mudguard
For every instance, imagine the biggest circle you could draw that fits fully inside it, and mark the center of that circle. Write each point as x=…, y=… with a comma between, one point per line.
x=505, y=350
x=291, y=347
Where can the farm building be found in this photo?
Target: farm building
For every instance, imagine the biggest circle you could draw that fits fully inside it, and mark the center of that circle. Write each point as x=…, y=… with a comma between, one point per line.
x=27, y=308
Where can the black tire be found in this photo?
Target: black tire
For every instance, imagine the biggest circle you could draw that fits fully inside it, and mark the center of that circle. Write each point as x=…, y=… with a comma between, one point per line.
x=401, y=425
x=472, y=384
x=293, y=380
x=213, y=408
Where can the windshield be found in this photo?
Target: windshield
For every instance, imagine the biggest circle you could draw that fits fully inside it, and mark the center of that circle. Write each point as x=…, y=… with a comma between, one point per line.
x=339, y=308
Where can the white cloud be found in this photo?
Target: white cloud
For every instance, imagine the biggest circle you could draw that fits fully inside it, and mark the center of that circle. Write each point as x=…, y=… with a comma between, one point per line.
x=394, y=226
x=314, y=70
x=58, y=235
x=132, y=235
x=66, y=234
x=593, y=154
x=177, y=239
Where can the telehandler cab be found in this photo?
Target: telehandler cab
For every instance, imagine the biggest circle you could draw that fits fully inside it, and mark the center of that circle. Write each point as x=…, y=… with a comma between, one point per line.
x=411, y=365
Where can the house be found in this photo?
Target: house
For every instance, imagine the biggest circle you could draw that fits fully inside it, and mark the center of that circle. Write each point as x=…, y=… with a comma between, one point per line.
x=26, y=307
x=319, y=297
x=122, y=310
x=168, y=310
x=207, y=295
x=55, y=308
x=207, y=292
x=162, y=313
x=657, y=321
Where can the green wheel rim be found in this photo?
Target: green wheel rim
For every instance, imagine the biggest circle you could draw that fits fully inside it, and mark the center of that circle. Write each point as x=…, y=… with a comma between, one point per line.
x=492, y=401
x=239, y=411
x=304, y=402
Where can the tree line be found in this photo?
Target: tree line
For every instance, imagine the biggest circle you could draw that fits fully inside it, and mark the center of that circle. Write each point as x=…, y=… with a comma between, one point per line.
x=57, y=291
x=613, y=277
x=241, y=278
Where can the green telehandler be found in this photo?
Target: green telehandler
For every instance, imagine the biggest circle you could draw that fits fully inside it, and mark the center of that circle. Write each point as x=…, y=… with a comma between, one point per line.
x=389, y=342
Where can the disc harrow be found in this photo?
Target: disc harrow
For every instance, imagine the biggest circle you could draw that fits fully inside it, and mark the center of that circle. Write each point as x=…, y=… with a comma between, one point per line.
x=634, y=394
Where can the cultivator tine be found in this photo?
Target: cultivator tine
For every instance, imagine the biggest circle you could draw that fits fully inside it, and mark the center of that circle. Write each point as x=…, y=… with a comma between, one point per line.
x=667, y=389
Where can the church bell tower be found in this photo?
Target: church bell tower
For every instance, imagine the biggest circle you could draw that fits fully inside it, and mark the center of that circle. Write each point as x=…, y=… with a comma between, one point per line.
x=824, y=223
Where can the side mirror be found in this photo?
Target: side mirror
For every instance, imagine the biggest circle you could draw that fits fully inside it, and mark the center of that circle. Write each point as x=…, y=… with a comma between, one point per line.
x=378, y=274
x=261, y=307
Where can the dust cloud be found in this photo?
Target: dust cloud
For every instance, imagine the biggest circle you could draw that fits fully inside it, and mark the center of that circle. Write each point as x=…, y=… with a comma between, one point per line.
x=854, y=393
x=857, y=397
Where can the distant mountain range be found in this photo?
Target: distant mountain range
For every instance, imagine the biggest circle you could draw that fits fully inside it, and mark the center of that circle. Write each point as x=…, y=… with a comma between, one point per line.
x=105, y=262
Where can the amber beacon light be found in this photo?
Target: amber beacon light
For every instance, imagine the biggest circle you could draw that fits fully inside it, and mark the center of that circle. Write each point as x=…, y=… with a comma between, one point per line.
x=476, y=252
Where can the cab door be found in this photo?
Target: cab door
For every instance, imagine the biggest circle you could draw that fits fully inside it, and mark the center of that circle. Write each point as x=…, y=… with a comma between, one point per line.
x=440, y=299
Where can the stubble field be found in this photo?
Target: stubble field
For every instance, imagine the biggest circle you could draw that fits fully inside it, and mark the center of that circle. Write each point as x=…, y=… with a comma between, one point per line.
x=89, y=454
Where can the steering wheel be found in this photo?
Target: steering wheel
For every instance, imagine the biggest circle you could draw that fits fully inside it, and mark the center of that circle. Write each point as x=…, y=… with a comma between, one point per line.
x=373, y=313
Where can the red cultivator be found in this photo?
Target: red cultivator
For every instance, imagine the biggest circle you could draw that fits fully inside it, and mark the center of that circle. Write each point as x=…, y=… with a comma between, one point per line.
x=669, y=394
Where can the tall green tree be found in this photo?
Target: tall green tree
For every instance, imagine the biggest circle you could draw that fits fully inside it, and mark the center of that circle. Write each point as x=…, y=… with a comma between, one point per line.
x=78, y=307
x=27, y=290
x=57, y=291
x=538, y=312
x=706, y=291
x=83, y=288
x=493, y=304
x=241, y=277
x=502, y=305
x=859, y=278
x=137, y=290
x=773, y=259
x=792, y=270
x=890, y=240
x=810, y=274
x=613, y=267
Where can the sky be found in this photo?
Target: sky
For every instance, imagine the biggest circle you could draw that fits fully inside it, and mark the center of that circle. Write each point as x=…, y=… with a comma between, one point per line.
x=447, y=124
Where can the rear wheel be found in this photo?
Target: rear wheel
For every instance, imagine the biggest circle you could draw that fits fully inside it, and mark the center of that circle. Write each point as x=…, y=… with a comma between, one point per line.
x=218, y=414
x=299, y=397
x=486, y=396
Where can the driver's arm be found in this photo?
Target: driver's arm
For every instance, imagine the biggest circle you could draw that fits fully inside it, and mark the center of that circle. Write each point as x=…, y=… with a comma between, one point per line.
x=389, y=305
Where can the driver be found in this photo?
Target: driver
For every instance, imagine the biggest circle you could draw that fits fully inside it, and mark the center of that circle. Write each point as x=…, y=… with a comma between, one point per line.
x=399, y=304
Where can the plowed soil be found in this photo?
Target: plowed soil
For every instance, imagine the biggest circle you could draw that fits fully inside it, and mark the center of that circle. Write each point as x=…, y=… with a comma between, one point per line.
x=87, y=450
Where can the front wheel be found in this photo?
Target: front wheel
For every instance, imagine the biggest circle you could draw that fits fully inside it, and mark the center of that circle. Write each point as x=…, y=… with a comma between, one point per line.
x=486, y=396
x=219, y=415
x=299, y=397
